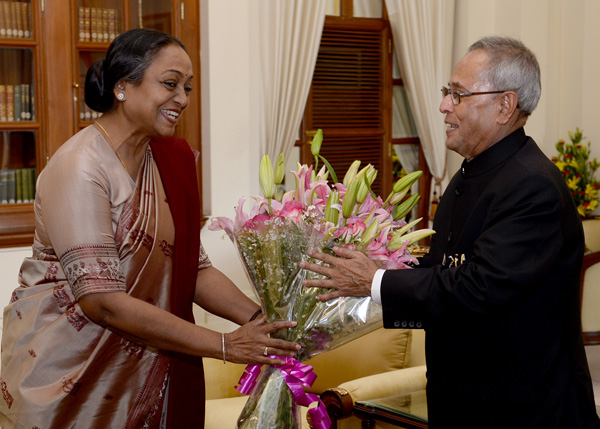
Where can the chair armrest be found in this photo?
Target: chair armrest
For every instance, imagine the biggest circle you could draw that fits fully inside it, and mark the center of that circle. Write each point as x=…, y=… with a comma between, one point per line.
x=339, y=400
x=338, y=403
x=387, y=384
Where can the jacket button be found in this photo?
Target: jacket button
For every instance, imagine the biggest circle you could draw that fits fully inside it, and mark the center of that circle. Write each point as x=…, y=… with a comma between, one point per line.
x=419, y=325
x=411, y=324
x=396, y=324
x=404, y=324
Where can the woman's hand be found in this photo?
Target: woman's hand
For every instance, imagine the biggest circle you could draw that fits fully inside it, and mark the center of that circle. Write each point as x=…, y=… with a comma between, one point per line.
x=350, y=274
x=251, y=343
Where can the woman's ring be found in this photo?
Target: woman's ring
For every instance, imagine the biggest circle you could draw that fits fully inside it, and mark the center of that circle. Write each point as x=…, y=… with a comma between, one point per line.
x=266, y=352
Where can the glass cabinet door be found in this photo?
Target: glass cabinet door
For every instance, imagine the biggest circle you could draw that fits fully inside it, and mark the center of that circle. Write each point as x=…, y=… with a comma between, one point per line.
x=154, y=14
x=86, y=59
x=17, y=167
x=15, y=19
x=17, y=114
x=17, y=100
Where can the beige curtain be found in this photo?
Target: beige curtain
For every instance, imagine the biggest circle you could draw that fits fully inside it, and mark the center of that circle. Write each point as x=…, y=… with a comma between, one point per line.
x=289, y=34
x=423, y=32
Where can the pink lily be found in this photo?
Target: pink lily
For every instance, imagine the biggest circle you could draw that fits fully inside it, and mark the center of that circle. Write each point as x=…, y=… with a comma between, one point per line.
x=291, y=210
x=222, y=223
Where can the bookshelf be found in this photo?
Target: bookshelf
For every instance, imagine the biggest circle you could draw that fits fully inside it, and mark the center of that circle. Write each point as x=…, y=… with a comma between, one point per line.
x=46, y=48
x=20, y=120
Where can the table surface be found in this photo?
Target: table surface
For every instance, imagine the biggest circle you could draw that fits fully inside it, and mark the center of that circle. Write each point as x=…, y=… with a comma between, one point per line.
x=407, y=410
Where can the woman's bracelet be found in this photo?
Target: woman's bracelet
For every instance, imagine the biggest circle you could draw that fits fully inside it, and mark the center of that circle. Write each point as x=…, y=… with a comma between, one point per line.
x=223, y=346
x=255, y=315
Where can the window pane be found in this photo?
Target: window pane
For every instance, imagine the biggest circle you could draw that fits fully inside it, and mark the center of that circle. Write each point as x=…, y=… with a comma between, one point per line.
x=16, y=85
x=403, y=123
x=154, y=14
x=368, y=8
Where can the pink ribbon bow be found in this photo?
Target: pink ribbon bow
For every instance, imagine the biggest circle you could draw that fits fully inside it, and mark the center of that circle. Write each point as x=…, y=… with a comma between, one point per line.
x=296, y=375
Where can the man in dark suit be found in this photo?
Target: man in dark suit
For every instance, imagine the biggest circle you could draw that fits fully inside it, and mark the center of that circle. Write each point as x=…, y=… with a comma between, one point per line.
x=498, y=294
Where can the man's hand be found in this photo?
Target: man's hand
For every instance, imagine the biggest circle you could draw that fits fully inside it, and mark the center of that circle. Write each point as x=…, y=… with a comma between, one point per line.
x=350, y=274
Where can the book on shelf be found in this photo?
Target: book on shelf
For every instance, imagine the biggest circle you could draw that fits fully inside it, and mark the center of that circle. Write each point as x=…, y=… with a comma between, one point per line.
x=32, y=101
x=105, y=36
x=81, y=23
x=18, y=103
x=4, y=186
x=3, y=20
x=17, y=185
x=19, y=19
x=6, y=30
x=26, y=17
x=86, y=24
x=10, y=102
x=2, y=103
x=94, y=24
x=26, y=102
x=112, y=24
x=11, y=183
x=12, y=21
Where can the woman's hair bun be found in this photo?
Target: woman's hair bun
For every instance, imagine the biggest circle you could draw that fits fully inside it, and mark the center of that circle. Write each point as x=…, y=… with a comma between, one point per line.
x=127, y=58
x=97, y=96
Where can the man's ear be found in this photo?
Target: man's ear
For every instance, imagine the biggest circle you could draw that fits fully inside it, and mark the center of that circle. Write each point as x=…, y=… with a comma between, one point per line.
x=509, y=102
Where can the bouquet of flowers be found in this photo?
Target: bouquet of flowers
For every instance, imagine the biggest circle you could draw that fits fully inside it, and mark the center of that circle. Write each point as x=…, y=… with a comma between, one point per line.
x=277, y=234
x=574, y=163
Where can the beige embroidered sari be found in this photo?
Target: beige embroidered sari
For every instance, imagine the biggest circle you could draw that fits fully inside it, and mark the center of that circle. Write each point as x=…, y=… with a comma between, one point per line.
x=96, y=231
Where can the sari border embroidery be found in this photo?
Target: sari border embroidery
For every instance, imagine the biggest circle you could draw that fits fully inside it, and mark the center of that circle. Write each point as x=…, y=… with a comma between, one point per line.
x=93, y=268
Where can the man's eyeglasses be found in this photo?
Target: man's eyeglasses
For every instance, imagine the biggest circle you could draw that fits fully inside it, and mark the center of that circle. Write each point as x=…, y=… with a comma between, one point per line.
x=455, y=95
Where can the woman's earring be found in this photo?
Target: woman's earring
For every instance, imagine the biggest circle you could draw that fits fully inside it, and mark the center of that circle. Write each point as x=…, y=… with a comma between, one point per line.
x=120, y=96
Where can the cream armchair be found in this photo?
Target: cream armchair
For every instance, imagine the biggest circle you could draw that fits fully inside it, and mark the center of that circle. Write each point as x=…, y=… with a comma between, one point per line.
x=380, y=352
x=590, y=298
x=590, y=283
x=591, y=231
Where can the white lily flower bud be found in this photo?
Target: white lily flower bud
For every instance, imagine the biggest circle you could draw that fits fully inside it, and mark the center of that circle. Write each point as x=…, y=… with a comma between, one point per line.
x=279, y=173
x=265, y=176
x=351, y=173
x=331, y=213
x=368, y=235
x=398, y=240
x=350, y=198
x=403, y=209
x=315, y=146
x=407, y=181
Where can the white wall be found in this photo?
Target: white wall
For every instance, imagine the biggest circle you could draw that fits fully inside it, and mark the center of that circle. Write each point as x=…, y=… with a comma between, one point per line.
x=553, y=29
x=565, y=36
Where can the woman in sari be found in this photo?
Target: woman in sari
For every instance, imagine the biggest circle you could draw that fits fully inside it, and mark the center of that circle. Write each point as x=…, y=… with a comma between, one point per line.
x=100, y=332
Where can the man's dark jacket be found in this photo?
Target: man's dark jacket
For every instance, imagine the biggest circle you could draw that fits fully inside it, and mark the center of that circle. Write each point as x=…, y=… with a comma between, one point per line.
x=498, y=296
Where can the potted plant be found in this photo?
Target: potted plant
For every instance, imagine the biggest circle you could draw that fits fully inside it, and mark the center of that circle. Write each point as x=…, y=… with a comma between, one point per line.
x=573, y=160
